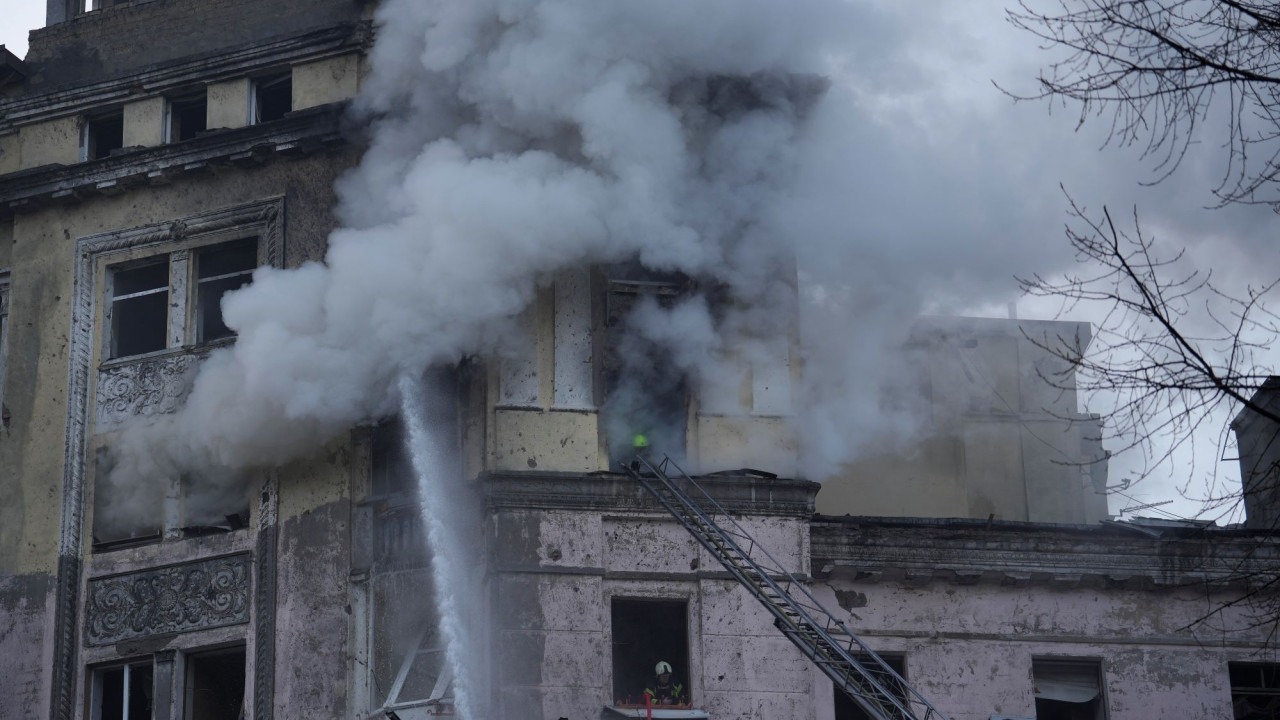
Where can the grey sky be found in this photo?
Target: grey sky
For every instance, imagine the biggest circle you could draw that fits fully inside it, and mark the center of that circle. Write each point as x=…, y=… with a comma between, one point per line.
x=963, y=184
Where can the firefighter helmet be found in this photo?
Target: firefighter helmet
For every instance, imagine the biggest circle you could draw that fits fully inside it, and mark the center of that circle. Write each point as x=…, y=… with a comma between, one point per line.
x=662, y=668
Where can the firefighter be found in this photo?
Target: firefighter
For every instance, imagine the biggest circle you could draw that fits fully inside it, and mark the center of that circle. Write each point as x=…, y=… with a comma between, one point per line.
x=663, y=691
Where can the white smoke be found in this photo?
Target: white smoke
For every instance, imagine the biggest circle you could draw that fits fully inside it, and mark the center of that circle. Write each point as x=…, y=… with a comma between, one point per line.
x=512, y=138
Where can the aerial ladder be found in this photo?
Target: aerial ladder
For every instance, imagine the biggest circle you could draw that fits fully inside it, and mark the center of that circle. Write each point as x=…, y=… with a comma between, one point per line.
x=854, y=668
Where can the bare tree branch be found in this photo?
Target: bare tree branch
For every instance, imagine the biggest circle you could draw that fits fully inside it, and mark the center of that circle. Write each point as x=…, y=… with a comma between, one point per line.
x=1157, y=67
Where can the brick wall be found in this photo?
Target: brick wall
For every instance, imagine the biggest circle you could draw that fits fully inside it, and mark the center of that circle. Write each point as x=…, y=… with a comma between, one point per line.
x=140, y=33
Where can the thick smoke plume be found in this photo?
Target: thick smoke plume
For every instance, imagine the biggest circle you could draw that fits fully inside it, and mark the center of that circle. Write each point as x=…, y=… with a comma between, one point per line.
x=511, y=138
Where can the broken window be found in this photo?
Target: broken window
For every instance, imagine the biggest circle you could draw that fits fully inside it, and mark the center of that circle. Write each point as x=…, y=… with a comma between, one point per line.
x=408, y=655
x=272, y=97
x=846, y=708
x=129, y=511
x=147, y=298
x=219, y=270
x=645, y=633
x=140, y=308
x=646, y=397
x=1068, y=690
x=1255, y=690
x=101, y=135
x=122, y=692
x=214, y=687
x=186, y=116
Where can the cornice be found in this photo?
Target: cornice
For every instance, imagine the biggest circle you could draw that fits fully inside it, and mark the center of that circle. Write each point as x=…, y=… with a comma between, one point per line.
x=1069, y=556
x=197, y=70
x=298, y=133
x=614, y=492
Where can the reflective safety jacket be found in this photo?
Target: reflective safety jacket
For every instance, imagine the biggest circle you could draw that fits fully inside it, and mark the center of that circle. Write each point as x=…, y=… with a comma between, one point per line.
x=672, y=694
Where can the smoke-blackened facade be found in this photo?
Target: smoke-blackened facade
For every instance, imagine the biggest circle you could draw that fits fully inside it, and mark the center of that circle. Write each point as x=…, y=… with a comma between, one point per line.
x=223, y=257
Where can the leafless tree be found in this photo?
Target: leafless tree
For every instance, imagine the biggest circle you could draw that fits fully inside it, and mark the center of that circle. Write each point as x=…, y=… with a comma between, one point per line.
x=1161, y=68
x=1167, y=380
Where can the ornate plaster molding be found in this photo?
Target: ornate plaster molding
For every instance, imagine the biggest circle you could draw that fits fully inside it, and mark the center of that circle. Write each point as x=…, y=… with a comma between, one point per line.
x=155, y=386
x=193, y=596
x=268, y=216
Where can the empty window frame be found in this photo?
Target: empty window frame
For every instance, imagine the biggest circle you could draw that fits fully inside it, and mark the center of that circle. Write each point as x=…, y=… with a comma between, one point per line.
x=646, y=632
x=219, y=270
x=1255, y=690
x=271, y=97
x=646, y=398
x=408, y=668
x=140, y=307
x=101, y=135
x=846, y=708
x=186, y=116
x=214, y=685
x=122, y=692
x=147, y=296
x=1068, y=689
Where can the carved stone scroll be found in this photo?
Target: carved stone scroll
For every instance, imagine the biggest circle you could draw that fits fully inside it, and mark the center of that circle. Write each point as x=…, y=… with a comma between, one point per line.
x=148, y=387
x=193, y=596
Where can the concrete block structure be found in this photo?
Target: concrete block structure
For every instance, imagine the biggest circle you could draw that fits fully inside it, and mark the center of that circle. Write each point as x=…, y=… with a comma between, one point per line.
x=979, y=559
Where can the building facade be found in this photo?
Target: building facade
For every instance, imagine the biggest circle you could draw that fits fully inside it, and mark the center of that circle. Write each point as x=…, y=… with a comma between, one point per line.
x=141, y=181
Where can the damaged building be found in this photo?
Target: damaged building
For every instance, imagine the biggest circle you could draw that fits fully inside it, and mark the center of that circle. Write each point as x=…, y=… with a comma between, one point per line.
x=140, y=182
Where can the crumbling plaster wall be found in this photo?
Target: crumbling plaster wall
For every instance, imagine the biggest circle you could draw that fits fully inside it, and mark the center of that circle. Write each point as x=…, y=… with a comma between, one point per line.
x=32, y=446
x=969, y=648
x=554, y=574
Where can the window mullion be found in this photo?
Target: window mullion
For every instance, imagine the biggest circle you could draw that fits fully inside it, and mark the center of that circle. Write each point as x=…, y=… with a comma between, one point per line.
x=179, y=302
x=124, y=692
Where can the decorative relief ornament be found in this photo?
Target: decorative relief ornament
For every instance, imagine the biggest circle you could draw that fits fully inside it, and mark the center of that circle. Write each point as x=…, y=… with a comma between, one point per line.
x=181, y=598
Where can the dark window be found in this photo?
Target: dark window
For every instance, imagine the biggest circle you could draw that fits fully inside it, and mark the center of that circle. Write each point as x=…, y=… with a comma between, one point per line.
x=103, y=134
x=219, y=270
x=123, y=692
x=646, y=398
x=140, y=308
x=848, y=709
x=1255, y=690
x=646, y=632
x=272, y=97
x=392, y=473
x=1068, y=690
x=215, y=685
x=188, y=115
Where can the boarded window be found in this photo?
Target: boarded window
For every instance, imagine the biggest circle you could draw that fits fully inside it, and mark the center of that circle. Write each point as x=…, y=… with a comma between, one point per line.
x=272, y=97
x=219, y=270
x=846, y=708
x=187, y=116
x=1068, y=690
x=102, y=135
x=214, y=687
x=1255, y=690
x=646, y=632
x=140, y=308
x=123, y=692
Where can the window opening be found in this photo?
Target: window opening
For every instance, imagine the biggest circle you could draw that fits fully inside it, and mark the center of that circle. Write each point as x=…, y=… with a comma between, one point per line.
x=1255, y=690
x=215, y=685
x=408, y=668
x=646, y=398
x=187, y=116
x=272, y=97
x=124, y=692
x=219, y=270
x=847, y=709
x=645, y=633
x=102, y=135
x=140, y=308
x=1068, y=690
